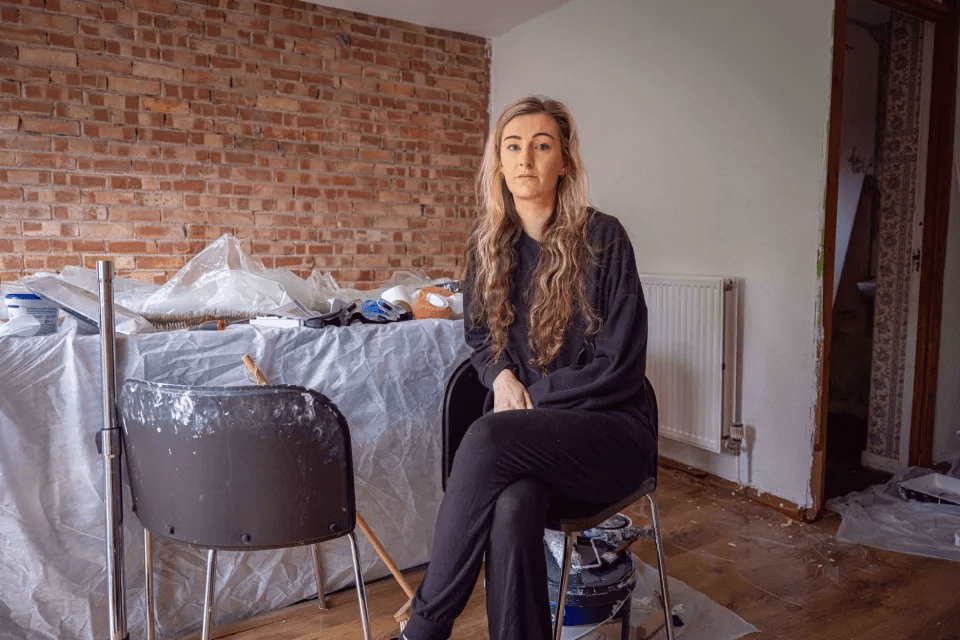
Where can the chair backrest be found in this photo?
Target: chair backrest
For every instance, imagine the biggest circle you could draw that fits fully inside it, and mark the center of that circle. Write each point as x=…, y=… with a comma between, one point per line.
x=652, y=404
x=238, y=467
x=463, y=404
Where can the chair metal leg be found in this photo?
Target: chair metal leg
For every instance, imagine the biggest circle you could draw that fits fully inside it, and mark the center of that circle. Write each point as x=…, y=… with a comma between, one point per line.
x=625, y=620
x=208, y=594
x=655, y=518
x=562, y=587
x=321, y=596
x=361, y=588
x=148, y=565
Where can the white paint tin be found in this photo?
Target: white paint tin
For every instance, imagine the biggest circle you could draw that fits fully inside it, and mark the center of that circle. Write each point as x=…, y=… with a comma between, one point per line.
x=29, y=304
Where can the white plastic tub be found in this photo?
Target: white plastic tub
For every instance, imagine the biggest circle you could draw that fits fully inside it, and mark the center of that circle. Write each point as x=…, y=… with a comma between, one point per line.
x=933, y=487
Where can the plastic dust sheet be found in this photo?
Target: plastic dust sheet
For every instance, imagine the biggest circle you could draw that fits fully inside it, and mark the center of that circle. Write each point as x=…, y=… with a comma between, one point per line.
x=387, y=381
x=222, y=281
x=881, y=517
x=703, y=618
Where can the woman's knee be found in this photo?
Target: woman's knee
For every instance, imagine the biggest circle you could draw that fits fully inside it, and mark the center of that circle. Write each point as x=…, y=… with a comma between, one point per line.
x=485, y=439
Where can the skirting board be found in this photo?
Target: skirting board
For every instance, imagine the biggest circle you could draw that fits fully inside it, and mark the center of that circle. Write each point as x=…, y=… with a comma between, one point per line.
x=880, y=463
x=785, y=507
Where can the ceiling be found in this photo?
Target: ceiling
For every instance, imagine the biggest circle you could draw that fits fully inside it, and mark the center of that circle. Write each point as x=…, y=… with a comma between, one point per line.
x=484, y=18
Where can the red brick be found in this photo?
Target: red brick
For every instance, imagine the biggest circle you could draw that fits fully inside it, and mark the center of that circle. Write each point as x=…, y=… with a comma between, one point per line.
x=138, y=247
x=159, y=262
x=158, y=231
x=271, y=103
x=131, y=85
x=162, y=105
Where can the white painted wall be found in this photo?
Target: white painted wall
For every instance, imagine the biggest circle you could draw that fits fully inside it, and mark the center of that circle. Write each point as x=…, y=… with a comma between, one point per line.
x=704, y=130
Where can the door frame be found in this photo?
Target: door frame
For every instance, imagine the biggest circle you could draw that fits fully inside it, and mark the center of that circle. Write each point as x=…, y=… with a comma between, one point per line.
x=944, y=16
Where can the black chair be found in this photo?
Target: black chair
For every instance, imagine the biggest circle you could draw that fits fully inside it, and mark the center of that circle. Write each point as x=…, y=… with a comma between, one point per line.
x=238, y=468
x=463, y=404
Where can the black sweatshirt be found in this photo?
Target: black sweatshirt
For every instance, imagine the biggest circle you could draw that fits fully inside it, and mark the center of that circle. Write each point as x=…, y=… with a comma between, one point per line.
x=601, y=372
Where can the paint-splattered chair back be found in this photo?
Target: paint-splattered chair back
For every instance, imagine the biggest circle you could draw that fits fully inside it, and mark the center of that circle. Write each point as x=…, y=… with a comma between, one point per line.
x=238, y=467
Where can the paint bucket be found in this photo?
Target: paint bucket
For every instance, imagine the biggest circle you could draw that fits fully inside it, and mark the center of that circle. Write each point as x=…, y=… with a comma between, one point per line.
x=30, y=304
x=595, y=593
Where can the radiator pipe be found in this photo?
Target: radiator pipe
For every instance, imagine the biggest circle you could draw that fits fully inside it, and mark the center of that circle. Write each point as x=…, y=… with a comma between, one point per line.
x=738, y=371
x=733, y=432
x=111, y=447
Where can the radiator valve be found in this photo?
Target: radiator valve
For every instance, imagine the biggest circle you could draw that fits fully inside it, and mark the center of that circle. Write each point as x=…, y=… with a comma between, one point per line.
x=735, y=439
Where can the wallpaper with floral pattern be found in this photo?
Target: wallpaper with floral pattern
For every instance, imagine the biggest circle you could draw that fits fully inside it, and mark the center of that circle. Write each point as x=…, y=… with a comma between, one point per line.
x=901, y=59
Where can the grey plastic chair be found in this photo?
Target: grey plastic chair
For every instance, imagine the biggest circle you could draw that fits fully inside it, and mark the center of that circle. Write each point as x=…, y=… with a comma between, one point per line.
x=463, y=404
x=238, y=468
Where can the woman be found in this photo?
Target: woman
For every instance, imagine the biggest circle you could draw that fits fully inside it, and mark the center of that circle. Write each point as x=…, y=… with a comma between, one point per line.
x=558, y=325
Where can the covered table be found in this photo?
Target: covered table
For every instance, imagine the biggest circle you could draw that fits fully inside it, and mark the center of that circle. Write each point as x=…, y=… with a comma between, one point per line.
x=387, y=380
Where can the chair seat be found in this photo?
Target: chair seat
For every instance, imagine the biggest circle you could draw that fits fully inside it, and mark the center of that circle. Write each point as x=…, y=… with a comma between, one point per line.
x=570, y=516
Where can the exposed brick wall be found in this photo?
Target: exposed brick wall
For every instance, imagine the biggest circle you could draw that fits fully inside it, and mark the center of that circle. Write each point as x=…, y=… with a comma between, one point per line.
x=140, y=130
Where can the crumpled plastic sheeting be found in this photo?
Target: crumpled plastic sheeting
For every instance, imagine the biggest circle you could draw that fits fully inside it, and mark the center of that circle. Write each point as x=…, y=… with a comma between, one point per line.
x=387, y=381
x=222, y=280
x=880, y=517
x=21, y=327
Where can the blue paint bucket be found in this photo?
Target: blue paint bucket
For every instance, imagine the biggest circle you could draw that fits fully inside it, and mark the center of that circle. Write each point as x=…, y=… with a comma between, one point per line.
x=595, y=593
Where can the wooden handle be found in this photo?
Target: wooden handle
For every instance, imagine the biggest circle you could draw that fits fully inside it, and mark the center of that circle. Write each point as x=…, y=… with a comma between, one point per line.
x=403, y=614
x=247, y=360
x=383, y=556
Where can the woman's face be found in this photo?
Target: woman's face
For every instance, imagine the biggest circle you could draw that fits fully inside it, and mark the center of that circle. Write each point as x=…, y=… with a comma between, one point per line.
x=531, y=159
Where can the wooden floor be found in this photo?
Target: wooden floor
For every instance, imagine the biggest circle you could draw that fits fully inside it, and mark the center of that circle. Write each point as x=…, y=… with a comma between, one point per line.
x=793, y=581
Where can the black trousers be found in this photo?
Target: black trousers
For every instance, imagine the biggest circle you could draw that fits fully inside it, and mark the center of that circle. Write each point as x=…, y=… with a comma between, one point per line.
x=507, y=469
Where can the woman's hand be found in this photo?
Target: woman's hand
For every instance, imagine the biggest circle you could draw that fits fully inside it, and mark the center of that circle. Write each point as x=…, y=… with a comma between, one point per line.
x=508, y=393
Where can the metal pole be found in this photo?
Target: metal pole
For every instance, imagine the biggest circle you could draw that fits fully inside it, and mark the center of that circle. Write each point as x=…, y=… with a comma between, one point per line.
x=569, y=541
x=148, y=579
x=111, y=448
x=208, y=594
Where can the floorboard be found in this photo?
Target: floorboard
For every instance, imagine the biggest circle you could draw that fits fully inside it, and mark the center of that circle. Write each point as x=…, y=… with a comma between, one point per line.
x=791, y=580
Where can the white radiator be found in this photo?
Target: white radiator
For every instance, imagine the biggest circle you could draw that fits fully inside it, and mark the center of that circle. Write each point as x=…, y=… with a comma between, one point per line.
x=692, y=355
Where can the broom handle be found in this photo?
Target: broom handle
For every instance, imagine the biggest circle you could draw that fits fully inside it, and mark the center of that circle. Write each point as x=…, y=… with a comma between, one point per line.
x=383, y=556
x=247, y=360
x=261, y=379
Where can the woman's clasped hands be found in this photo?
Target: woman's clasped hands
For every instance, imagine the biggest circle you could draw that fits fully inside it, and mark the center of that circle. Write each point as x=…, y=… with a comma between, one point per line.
x=509, y=393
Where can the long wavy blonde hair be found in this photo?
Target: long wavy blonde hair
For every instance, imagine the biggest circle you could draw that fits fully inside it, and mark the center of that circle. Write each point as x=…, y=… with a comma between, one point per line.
x=560, y=278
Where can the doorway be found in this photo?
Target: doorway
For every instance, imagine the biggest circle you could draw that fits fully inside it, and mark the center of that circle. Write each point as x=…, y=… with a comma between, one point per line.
x=884, y=204
x=887, y=71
